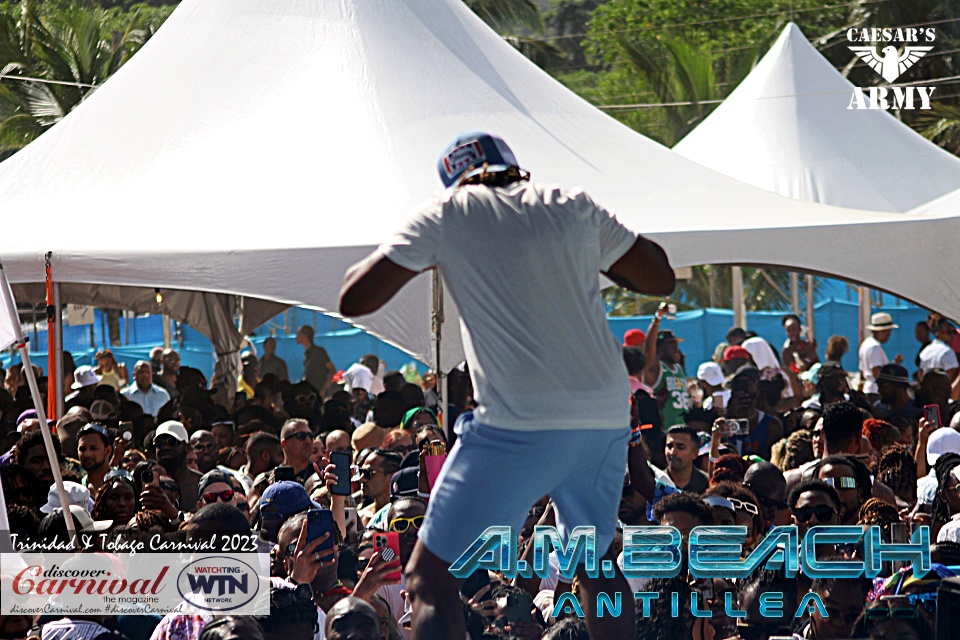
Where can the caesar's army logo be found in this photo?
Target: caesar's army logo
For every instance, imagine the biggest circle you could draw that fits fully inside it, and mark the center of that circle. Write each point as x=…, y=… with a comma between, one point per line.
x=899, y=49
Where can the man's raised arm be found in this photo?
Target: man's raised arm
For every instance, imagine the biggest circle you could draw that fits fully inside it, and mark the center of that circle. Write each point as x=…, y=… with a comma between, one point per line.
x=370, y=284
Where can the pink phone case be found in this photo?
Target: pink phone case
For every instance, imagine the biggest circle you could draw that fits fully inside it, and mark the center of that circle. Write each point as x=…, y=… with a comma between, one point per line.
x=433, y=465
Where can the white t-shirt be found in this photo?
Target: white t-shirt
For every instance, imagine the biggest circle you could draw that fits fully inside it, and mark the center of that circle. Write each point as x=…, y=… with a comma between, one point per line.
x=871, y=355
x=937, y=355
x=522, y=265
x=358, y=376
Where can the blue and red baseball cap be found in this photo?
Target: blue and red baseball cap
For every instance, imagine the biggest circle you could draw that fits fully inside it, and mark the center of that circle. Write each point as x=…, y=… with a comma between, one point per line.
x=469, y=152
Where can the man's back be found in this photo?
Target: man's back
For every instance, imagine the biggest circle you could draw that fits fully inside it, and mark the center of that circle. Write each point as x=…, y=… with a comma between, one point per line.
x=522, y=264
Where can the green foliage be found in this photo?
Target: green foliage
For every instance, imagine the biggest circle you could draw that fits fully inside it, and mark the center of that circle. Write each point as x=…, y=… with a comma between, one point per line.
x=53, y=55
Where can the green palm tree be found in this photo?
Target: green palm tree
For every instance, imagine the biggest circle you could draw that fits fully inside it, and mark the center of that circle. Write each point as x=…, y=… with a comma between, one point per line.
x=50, y=64
x=520, y=23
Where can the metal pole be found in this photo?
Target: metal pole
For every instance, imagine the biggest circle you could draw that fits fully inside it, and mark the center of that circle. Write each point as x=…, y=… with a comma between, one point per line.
x=126, y=328
x=58, y=345
x=863, y=299
x=166, y=331
x=739, y=306
x=38, y=403
x=436, y=321
x=795, y=292
x=810, y=293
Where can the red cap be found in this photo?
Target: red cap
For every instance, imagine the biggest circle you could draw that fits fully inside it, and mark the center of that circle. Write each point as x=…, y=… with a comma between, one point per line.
x=735, y=353
x=633, y=338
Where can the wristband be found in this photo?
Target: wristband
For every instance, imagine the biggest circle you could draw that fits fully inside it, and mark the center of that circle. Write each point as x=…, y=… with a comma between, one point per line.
x=421, y=494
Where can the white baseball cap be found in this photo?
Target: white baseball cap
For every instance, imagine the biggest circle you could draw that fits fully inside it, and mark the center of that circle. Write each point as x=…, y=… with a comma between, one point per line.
x=710, y=373
x=942, y=440
x=76, y=494
x=172, y=428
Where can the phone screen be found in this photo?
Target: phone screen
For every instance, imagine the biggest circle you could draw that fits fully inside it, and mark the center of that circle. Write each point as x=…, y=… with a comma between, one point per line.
x=341, y=461
x=283, y=473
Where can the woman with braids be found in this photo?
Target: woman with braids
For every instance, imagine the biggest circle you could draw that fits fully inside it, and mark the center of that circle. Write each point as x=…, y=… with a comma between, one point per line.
x=945, y=518
x=850, y=478
x=116, y=501
x=793, y=451
x=897, y=469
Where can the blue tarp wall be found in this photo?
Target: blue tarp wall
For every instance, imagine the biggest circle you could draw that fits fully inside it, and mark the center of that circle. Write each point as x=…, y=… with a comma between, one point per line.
x=701, y=330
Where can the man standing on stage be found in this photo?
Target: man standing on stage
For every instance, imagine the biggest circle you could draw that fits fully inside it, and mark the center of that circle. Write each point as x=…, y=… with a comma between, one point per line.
x=521, y=261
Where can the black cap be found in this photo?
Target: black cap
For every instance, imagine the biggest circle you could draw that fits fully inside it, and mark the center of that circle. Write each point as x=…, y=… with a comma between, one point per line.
x=666, y=336
x=405, y=482
x=830, y=369
x=894, y=373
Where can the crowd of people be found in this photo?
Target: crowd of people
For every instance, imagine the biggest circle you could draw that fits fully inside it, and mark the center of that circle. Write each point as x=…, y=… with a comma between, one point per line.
x=759, y=437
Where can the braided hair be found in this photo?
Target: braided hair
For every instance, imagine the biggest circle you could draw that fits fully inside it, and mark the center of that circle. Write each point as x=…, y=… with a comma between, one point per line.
x=878, y=512
x=100, y=504
x=798, y=450
x=942, y=469
x=897, y=469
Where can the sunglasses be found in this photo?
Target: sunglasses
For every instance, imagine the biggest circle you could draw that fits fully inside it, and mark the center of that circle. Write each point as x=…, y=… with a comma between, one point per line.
x=204, y=446
x=226, y=496
x=845, y=482
x=882, y=611
x=400, y=525
x=823, y=512
x=927, y=600
x=742, y=505
x=299, y=435
x=97, y=428
x=305, y=398
x=364, y=474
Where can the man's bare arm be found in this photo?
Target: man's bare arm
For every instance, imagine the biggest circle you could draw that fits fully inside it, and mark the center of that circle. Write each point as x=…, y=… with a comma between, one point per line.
x=644, y=268
x=370, y=284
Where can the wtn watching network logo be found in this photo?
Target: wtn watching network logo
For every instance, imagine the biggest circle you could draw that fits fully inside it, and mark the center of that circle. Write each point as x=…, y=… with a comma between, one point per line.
x=218, y=584
x=891, y=62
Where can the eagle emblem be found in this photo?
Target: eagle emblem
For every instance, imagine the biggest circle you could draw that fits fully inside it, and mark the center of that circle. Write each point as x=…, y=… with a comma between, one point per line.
x=892, y=63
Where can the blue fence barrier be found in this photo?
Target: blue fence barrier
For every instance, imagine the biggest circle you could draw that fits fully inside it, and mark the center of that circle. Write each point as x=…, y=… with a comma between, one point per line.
x=701, y=331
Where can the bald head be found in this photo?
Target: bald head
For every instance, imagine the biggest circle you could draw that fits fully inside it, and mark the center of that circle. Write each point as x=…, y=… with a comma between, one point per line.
x=352, y=619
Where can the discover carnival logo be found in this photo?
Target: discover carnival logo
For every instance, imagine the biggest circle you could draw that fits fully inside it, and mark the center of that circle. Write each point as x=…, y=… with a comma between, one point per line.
x=899, y=49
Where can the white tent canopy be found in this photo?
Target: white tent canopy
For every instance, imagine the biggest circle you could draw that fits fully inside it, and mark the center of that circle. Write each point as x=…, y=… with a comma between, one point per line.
x=786, y=128
x=258, y=149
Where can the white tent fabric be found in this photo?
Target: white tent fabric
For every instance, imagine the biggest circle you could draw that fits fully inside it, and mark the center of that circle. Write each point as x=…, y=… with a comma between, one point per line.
x=786, y=128
x=258, y=149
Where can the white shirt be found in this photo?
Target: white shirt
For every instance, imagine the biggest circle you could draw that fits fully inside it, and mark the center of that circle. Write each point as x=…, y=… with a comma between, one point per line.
x=937, y=355
x=358, y=376
x=522, y=265
x=871, y=355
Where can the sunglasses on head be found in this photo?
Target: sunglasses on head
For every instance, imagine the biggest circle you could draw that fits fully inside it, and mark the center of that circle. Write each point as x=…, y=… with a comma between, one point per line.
x=882, y=611
x=226, y=496
x=845, y=482
x=823, y=512
x=742, y=505
x=299, y=435
x=400, y=525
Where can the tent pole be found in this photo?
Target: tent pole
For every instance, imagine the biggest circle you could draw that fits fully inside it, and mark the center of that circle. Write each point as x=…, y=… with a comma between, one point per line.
x=795, y=292
x=863, y=298
x=14, y=319
x=810, y=320
x=739, y=307
x=166, y=331
x=58, y=345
